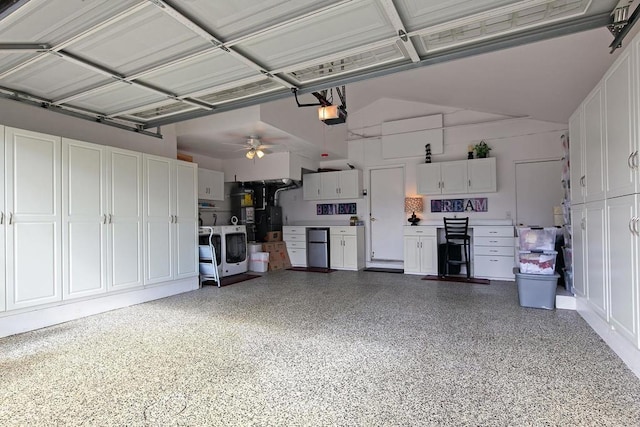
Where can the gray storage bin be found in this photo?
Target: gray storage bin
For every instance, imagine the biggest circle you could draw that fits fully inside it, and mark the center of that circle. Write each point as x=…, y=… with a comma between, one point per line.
x=537, y=290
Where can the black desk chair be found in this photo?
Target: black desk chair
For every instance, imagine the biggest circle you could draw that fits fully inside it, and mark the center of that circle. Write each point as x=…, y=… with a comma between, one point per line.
x=456, y=232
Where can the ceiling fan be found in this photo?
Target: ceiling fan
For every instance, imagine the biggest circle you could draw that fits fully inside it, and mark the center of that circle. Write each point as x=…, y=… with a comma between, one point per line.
x=255, y=148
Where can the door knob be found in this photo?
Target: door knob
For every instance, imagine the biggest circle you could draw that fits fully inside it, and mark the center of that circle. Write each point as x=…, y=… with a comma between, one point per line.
x=373, y=219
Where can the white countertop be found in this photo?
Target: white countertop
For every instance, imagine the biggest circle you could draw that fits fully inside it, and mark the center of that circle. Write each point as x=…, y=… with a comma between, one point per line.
x=472, y=222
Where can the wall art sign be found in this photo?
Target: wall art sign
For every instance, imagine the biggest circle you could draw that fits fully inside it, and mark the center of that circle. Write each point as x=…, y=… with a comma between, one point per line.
x=336, y=209
x=478, y=204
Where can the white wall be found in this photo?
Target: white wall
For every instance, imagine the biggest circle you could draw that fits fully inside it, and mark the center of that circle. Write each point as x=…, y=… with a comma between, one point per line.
x=511, y=139
x=24, y=116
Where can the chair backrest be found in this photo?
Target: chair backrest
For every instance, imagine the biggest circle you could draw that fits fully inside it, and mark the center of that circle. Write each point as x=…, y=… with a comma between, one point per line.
x=456, y=226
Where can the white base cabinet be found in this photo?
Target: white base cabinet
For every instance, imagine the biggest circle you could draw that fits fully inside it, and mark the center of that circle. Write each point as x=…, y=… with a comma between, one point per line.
x=420, y=250
x=493, y=252
x=346, y=247
x=3, y=218
x=296, y=239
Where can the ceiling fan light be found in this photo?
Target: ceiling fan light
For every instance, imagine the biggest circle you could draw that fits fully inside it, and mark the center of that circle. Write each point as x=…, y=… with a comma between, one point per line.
x=260, y=153
x=251, y=154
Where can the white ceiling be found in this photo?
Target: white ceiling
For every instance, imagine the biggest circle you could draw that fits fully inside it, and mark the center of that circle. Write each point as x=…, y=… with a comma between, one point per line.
x=146, y=63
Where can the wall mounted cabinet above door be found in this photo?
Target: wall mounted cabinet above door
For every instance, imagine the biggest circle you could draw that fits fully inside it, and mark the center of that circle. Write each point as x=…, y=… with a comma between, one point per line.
x=457, y=177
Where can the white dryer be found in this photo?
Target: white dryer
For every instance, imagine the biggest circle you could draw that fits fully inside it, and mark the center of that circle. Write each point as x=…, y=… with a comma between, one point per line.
x=234, y=249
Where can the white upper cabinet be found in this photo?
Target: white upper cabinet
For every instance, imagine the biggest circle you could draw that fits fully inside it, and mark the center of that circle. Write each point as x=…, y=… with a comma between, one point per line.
x=457, y=177
x=620, y=133
x=34, y=220
x=311, y=186
x=454, y=177
x=210, y=184
x=333, y=185
x=576, y=156
x=428, y=177
x=481, y=174
x=594, y=147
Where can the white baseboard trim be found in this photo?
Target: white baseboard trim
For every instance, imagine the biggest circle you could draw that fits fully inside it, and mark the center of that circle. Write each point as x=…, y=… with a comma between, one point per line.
x=629, y=354
x=566, y=302
x=42, y=317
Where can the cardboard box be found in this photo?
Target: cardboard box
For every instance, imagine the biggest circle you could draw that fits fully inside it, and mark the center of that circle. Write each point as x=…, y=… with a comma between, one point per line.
x=273, y=236
x=278, y=255
x=185, y=157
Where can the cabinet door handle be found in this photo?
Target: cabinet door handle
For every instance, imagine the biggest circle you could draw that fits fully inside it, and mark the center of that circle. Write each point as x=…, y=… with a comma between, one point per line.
x=635, y=225
x=493, y=241
x=1, y=218
x=104, y=218
x=469, y=183
x=631, y=225
x=10, y=218
x=629, y=160
x=110, y=219
x=634, y=160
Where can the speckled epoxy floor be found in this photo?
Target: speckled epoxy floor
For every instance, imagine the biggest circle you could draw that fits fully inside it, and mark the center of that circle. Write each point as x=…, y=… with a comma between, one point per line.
x=311, y=349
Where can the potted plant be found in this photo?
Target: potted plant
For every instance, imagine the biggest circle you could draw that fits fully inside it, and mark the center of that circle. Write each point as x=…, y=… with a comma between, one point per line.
x=481, y=149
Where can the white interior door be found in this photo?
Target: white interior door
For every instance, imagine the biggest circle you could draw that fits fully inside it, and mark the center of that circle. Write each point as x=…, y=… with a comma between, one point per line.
x=386, y=189
x=33, y=233
x=538, y=190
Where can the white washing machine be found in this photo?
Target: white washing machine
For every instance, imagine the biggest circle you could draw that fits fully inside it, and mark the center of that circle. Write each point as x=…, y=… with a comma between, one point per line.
x=234, y=249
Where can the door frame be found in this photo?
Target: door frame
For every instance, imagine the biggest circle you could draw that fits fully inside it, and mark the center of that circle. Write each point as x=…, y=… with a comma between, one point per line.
x=368, y=234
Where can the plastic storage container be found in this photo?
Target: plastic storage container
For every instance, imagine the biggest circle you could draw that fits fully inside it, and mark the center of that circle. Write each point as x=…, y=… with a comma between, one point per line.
x=536, y=290
x=567, y=235
x=259, y=262
x=537, y=239
x=568, y=280
x=568, y=256
x=543, y=262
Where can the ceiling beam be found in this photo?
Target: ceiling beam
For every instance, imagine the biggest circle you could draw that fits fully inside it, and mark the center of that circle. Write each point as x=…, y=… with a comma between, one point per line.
x=167, y=8
x=557, y=29
x=393, y=15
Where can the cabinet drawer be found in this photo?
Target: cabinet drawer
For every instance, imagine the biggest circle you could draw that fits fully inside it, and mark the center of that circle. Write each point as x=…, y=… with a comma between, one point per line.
x=288, y=237
x=493, y=241
x=343, y=231
x=489, y=266
x=293, y=230
x=491, y=231
x=494, y=250
x=420, y=231
x=298, y=257
x=296, y=244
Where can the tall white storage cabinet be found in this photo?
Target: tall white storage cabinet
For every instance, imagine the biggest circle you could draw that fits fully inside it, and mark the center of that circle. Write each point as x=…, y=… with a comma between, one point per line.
x=124, y=191
x=186, y=219
x=158, y=219
x=84, y=219
x=170, y=219
x=2, y=226
x=34, y=219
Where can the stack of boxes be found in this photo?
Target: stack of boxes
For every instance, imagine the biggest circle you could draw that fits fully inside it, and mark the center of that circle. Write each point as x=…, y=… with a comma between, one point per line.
x=536, y=278
x=277, y=251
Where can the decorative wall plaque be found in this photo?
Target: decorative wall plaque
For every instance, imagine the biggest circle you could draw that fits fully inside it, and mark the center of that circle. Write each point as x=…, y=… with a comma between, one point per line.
x=336, y=209
x=478, y=204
